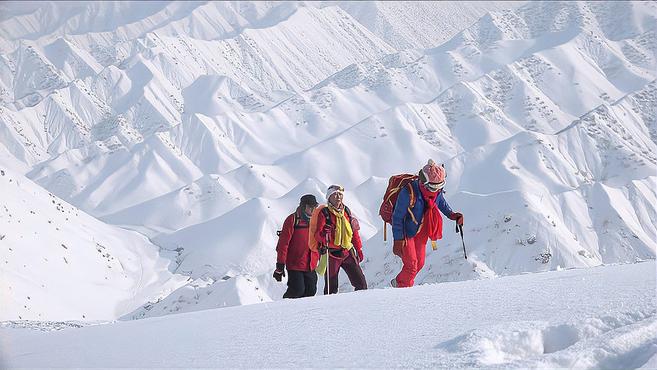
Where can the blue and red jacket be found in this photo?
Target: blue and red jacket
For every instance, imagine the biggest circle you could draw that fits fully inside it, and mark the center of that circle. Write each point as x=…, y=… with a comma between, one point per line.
x=405, y=226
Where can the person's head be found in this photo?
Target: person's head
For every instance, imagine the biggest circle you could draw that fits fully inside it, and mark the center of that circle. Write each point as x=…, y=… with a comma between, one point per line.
x=334, y=195
x=432, y=176
x=308, y=203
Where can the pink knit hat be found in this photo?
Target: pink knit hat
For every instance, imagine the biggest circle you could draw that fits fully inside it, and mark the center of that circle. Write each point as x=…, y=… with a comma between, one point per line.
x=434, y=174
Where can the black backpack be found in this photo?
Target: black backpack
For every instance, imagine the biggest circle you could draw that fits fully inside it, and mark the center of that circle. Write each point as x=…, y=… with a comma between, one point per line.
x=297, y=217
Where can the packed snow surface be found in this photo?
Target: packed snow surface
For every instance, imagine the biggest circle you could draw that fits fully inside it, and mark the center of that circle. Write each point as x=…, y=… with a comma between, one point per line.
x=598, y=318
x=181, y=134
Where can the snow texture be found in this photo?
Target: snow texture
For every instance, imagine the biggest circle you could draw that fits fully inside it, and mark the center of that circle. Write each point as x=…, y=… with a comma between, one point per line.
x=598, y=318
x=149, y=151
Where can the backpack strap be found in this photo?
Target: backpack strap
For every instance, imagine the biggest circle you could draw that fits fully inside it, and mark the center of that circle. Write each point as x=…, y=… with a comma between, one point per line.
x=297, y=217
x=411, y=194
x=327, y=215
x=412, y=199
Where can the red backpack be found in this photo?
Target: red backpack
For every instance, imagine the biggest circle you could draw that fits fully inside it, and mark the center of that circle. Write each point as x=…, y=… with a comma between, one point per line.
x=395, y=185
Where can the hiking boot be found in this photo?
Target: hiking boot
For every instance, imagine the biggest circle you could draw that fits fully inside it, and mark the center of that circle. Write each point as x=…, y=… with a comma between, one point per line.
x=393, y=282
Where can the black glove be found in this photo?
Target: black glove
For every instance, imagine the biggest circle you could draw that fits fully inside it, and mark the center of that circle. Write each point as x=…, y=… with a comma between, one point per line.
x=279, y=273
x=322, y=250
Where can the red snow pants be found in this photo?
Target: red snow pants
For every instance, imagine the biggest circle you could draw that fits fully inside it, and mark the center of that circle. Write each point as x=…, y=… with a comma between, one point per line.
x=413, y=255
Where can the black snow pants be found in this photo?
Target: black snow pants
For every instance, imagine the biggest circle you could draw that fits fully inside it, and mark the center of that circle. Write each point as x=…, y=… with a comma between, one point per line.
x=301, y=284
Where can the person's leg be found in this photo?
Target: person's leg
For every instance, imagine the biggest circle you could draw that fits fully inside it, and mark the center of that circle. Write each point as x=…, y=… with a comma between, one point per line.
x=310, y=282
x=420, y=252
x=295, y=285
x=332, y=274
x=406, y=276
x=354, y=273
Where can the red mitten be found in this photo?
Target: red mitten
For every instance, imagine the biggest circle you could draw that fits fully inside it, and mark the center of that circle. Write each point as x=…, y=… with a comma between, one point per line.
x=398, y=247
x=354, y=224
x=458, y=217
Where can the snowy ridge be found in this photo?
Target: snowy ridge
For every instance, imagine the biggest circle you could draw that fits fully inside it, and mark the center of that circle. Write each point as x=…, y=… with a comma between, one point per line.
x=202, y=131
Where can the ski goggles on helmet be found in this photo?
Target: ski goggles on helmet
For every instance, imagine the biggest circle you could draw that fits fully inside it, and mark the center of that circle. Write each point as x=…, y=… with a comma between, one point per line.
x=334, y=189
x=434, y=186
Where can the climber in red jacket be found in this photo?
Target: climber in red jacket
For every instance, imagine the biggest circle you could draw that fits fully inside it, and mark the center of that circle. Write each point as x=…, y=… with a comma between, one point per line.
x=293, y=252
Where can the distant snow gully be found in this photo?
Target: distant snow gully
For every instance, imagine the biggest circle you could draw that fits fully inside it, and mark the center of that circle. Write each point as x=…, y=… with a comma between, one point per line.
x=321, y=239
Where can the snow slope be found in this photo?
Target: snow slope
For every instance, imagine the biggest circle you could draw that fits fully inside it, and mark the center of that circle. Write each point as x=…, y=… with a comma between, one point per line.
x=603, y=317
x=59, y=263
x=200, y=125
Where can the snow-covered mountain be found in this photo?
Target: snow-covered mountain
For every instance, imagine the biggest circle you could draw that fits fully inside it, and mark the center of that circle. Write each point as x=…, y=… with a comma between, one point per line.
x=199, y=125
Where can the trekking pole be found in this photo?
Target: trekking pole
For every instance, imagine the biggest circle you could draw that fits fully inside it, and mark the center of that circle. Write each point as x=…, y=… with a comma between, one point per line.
x=459, y=228
x=328, y=265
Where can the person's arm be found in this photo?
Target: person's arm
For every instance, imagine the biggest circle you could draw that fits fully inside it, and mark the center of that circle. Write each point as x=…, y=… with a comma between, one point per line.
x=312, y=229
x=401, y=207
x=447, y=210
x=358, y=244
x=444, y=206
x=284, y=239
x=320, y=232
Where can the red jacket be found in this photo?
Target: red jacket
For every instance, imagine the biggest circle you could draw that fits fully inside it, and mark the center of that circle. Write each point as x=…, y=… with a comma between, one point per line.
x=355, y=239
x=292, y=244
